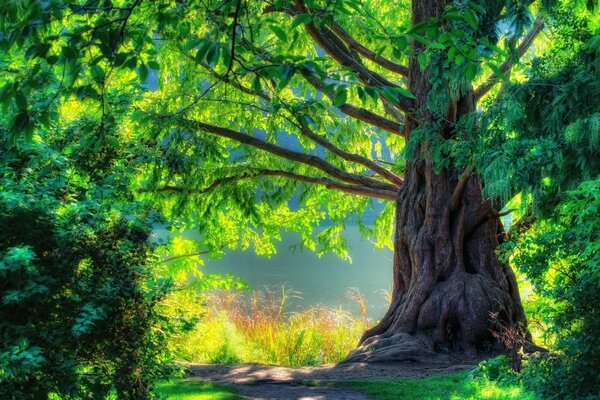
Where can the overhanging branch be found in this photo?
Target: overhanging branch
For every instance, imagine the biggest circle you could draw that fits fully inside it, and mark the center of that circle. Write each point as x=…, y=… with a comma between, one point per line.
x=355, y=45
x=307, y=159
x=359, y=113
x=337, y=49
x=307, y=132
x=328, y=183
x=506, y=66
x=352, y=157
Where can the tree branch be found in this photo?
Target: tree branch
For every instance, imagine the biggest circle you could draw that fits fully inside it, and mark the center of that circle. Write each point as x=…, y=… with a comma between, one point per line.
x=353, y=44
x=307, y=132
x=307, y=159
x=337, y=49
x=359, y=113
x=328, y=183
x=489, y=83
x=352, y=157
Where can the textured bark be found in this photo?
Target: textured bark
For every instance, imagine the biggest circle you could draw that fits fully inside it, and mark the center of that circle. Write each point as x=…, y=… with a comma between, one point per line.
x=448, y=281
x=447, y=278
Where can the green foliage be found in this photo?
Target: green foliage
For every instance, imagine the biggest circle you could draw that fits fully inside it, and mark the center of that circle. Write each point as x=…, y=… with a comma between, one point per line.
x=542, y=136
x=496, y=369
x=561, y=256
x=451, y=386
x=79, y=312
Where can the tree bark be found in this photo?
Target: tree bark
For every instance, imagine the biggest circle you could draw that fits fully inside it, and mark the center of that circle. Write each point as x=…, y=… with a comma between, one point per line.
x=447, y=281
x=450, y=291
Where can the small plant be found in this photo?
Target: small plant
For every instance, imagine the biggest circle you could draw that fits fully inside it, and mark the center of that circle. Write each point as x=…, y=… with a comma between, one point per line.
x=497, y=369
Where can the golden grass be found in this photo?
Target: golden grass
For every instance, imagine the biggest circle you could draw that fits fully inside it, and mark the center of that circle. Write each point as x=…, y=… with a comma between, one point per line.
x=255, y=326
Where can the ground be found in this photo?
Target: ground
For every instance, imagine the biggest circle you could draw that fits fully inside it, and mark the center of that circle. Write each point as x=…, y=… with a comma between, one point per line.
x=259, y=381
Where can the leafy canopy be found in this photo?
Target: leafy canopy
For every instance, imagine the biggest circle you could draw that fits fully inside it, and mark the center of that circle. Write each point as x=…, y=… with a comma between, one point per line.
x=270, y=114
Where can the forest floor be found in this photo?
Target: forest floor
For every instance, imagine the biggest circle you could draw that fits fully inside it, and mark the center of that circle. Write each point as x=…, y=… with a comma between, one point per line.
x=259, y=381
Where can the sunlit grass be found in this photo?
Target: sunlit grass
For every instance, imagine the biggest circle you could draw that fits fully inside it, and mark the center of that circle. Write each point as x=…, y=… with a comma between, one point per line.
x=256, y=327
x=194, y=390
x=461, y=386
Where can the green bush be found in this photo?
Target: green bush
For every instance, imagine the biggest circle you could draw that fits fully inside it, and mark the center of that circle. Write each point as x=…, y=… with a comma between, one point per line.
x=561, y=256
x=78, y=302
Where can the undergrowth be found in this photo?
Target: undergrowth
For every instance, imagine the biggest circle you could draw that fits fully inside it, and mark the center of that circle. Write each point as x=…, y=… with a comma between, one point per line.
x=241, y=326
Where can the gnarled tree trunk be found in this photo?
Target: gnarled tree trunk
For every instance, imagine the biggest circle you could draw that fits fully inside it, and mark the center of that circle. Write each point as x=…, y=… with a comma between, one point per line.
x=448, y=281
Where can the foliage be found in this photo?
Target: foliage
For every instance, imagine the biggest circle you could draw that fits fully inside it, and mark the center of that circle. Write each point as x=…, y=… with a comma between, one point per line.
x=79, y=310
x=193, y=389
x=561, y=256
x=451, y=386
x=254, y=68
x=542, y=136
x=496, y=369
x=257, y=327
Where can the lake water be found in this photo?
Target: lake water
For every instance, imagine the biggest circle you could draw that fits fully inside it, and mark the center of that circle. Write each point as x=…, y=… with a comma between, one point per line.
x=323, y=280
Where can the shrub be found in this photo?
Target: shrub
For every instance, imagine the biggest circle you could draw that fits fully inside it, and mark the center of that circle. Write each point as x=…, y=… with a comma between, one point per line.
x=561, y=256
x=78, y=300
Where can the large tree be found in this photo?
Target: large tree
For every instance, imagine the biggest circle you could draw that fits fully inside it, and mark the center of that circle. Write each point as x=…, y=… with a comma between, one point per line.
x=270, y=115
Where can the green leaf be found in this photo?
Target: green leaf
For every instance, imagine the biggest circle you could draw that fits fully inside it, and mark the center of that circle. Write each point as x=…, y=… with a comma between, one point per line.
x=471, y=71
x=401, y=43
x=436, y=45
x=193, y=43
x=143, y=72
x=153, y=65
x=418, y=38
x=593, y=43
x=405, y=92
x=212, y=55
x=21, y=100
x=256, y=88
x=451, y=53
x=497, y=71
x=341, y=96
x=304, y=19
x=226, y=55
x=4, y=93
x=279, y=32
x=202, y=50
x=423, y=59
x=471, y=18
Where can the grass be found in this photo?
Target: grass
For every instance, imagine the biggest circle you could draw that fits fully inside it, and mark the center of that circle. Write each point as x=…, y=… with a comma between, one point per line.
x=193, y=389
x=461, y=386
x=255, y=326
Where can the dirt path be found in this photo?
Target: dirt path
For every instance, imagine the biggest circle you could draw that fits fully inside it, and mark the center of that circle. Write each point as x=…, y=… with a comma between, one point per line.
x=259, y=381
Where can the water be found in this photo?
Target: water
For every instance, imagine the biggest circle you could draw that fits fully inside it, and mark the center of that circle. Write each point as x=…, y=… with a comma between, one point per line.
x=324, y=280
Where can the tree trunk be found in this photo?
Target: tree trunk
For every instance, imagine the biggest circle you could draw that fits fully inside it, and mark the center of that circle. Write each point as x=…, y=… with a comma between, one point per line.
x=448, y=282
x=450, y=291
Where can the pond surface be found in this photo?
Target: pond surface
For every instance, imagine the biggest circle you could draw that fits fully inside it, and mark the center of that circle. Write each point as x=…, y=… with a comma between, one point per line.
x=324, y=280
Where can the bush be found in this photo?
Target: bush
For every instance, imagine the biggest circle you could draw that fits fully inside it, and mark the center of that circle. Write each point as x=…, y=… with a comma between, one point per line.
x=78, y=301
x=561, y=256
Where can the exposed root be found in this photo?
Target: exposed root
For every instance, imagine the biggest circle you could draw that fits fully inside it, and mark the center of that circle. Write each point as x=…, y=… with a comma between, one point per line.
x=400, y=347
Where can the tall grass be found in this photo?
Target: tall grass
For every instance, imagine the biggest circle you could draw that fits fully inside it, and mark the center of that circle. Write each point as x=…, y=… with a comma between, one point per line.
x=256, y=326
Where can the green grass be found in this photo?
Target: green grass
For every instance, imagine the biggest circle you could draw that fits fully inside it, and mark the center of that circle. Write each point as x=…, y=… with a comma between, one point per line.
x=194, y=389
x=448, y=387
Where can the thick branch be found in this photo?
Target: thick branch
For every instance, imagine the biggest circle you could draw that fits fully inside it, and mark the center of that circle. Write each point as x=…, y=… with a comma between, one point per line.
x=336, y=48
x=356, y=158
x=506, y=66
x=306, y=131
x=303, y=158
x=353, y=44
x=328, y=183
x=359, y=113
